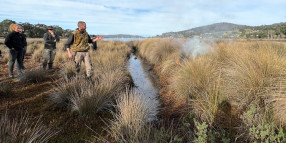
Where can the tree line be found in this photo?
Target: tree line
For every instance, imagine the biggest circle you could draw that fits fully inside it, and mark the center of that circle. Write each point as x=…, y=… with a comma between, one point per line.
x=273, y=31
x=32, y=30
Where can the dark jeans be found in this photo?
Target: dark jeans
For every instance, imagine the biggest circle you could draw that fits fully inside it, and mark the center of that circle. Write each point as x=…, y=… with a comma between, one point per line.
x=24, y=53
x=13, y=56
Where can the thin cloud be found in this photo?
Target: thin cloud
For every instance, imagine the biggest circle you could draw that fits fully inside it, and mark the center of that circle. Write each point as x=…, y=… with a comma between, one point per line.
x=142, y=17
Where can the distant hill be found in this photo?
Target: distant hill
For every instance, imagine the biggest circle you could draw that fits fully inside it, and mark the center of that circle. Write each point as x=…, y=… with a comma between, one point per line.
x=216, y=29
x=230, y=30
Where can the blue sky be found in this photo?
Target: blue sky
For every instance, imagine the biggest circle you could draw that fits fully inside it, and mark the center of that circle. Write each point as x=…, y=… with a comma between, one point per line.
x=143, y=17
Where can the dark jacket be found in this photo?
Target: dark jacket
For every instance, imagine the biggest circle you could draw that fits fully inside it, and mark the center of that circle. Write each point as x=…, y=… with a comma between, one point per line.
x=50, y=40
x=94, y=46
x=25, y=39
x=15, y=40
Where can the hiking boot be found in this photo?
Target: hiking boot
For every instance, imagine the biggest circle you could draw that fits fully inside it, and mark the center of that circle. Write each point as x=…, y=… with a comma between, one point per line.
x=11, y=76
x=89, y=79
x=50, y=66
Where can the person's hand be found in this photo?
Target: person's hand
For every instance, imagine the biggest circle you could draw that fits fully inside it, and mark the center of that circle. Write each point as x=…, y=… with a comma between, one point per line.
x=52, y=33
x=100, y=37
x=70, y=55
x=97, y=38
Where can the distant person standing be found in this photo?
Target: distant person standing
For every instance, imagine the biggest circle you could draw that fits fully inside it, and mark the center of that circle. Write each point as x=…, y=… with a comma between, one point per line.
x=94, y=44
x=80, y=43
x=50, y=39
x=15, y=42
x=21, y=31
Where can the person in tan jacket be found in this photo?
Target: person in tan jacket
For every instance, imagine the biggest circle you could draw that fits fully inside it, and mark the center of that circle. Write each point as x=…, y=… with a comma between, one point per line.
x=79, y=43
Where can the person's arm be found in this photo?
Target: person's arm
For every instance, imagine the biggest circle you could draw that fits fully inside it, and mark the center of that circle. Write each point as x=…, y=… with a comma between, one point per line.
x=8, y=41
x=69, y=53
x=57, y=38
x=89, y=39
x=49, y=41
x=97, y=38
x=24, y=40
x=68, y=44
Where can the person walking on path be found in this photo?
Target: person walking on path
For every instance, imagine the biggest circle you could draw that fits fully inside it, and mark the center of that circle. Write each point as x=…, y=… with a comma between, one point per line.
x=15, y=42
x=50, y=39
x=80, y=42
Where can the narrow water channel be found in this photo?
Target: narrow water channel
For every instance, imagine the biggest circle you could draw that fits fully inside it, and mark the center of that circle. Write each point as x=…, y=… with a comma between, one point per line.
x=146, y=82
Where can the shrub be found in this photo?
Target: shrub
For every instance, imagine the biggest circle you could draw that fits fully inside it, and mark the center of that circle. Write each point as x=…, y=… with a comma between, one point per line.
x=259, y=128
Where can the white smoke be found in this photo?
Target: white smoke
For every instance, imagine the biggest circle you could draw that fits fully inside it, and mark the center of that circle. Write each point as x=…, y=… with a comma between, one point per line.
x=196, y=46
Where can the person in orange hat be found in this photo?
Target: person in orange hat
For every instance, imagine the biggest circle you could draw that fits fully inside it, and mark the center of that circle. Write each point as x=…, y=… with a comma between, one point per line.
x=15, y=42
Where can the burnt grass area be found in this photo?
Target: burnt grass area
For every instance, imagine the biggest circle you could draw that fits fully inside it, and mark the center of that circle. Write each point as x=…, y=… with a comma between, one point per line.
x=33, y=99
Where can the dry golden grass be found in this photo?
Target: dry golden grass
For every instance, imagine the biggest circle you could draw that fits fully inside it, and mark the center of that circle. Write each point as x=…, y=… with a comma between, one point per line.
x=23, y=129
x=238, y=72
x=132, y=120
x=110, y=77
x=157, y=50
x=36, y=46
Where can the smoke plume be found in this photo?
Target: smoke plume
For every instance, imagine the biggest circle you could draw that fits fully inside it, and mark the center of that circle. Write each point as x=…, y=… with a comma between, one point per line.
x=196, y=46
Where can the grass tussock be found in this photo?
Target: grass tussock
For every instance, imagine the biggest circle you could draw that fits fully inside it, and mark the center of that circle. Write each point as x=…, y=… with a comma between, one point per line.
x=199, y=82
x=38, y=54
x=87, y=96
x=252, y=72
x=34, y=75
x=5, y=56
x=222, y=83
x=133, y=117
x=110, y=77
x=158, y=50
x=68, y=69
x=23, y=129
x=6, y=89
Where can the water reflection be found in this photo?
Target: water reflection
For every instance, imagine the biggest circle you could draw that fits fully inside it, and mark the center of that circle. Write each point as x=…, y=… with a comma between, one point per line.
x=144, y=79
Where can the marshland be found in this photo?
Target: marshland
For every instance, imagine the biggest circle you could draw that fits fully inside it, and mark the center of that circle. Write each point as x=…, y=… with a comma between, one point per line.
x=151, y=90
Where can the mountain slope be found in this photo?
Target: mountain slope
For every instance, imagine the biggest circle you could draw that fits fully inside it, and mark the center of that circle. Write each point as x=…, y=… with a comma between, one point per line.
x=217, y=28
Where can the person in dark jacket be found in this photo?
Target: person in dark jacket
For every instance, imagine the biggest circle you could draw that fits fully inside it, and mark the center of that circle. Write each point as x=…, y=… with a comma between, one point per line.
x=50, y=39
x=21, y=31
x=15, y=42
x=94, y=44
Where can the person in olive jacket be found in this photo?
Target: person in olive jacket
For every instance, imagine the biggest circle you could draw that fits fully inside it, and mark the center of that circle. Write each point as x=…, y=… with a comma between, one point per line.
x=50, y=39
x=15, y=42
